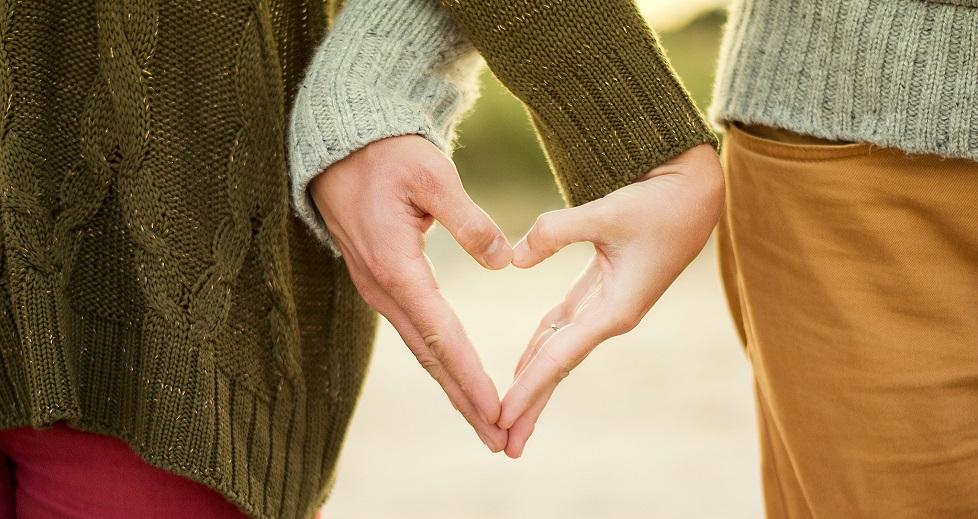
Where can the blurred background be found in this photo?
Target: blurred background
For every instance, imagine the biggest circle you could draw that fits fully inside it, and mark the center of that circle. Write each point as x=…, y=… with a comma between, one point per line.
x=654, y=424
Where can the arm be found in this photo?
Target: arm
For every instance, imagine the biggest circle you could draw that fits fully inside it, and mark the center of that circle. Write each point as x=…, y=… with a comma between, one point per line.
x=606, y=103
x=387, y=68
x=631, y=153
x=370, y=131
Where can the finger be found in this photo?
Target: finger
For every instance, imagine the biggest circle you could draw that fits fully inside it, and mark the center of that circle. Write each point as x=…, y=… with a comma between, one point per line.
x=369, y=287
x=491, y=435
x=542, y=333
x=416, y=294
x=446, y=200
x=554, y=230
x=524, y=426
x=561, y=353
x=586, y=285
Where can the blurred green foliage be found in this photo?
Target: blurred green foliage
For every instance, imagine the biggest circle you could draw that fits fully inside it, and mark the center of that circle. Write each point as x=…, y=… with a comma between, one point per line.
x=500, y=160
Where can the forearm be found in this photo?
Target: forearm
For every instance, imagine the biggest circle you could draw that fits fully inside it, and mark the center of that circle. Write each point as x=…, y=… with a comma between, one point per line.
x=598, y=86
x=387, y=68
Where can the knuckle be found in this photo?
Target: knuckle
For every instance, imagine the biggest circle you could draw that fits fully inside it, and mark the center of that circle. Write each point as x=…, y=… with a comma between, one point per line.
x=477, y=232
x=431, y=365
x=385, y=272
x=425, y=181
x=431, y=172
x=436, y=345
x=544, y=230
x=436, y=164
x=463, y=386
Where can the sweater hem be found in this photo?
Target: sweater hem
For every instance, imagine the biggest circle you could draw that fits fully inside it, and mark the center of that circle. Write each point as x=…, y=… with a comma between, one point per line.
x=269, y=446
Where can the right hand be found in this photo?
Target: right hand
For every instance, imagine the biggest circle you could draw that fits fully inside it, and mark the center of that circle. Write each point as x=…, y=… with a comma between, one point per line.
x=378, y=203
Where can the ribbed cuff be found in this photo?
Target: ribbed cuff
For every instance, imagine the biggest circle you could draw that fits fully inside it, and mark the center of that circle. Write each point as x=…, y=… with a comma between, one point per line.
x=387, y=68
x=600, y=91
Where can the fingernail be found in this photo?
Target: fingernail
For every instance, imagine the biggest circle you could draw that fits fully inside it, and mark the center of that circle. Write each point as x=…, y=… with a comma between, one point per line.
x=498, y=253
x=521, y=251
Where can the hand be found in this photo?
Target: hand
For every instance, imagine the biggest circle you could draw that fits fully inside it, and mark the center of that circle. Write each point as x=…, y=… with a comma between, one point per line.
x=644, y=235
x=378, y=203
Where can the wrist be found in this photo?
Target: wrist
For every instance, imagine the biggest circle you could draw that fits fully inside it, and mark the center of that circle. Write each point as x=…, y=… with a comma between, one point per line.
x=345, y=101
x=699, y=173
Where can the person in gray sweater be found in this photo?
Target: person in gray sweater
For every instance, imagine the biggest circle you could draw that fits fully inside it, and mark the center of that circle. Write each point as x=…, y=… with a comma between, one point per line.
x=849, y=249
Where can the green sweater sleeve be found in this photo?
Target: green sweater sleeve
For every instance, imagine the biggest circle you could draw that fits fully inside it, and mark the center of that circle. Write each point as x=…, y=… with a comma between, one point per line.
x=606, y=104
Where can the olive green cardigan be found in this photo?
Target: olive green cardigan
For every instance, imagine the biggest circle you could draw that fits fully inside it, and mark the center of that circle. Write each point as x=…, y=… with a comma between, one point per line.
x=154, y=285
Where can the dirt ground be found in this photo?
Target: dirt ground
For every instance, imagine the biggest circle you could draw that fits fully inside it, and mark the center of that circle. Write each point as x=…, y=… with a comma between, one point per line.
x=655, y=424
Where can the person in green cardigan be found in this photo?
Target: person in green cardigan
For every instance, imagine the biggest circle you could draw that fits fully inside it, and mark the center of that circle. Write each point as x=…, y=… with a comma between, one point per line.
x=163, y=284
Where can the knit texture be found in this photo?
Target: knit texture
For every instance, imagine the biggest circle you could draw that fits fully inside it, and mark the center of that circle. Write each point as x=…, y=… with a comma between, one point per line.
x=155, y=286
x=605, y=102
x=154, y=283
x=387, y=68
x=900, y=73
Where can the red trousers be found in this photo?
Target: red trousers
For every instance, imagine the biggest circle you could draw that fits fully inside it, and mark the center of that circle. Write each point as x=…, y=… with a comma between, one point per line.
x=64, y=473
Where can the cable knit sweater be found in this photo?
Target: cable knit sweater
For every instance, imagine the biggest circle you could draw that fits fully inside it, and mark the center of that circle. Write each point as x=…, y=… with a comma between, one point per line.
x=155, y=285
x=899, y=73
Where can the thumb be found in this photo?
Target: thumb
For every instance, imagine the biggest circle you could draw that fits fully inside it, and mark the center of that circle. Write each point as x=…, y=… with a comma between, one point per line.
x=553, y=231
x=471, y=227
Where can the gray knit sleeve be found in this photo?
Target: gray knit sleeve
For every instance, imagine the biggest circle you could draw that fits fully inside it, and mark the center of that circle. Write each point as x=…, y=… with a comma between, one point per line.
x=387, y=68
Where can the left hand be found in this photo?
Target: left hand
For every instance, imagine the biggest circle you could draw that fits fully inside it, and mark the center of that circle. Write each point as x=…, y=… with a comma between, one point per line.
x=644, y=235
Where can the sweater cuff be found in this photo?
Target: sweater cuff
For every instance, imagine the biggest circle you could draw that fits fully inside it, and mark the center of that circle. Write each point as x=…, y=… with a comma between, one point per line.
x=387, y=68
x=598, y=87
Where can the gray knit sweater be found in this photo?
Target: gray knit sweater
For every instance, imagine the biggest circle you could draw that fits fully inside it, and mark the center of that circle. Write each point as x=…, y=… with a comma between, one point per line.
x=896, y=73
x=387, y=68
